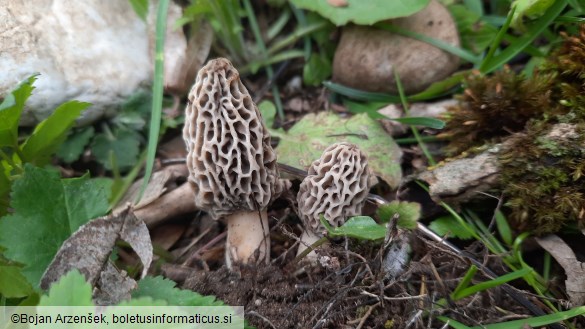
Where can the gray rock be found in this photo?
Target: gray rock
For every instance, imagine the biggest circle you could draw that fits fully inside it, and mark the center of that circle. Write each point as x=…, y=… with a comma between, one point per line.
x=366, y=56
x=94, y=51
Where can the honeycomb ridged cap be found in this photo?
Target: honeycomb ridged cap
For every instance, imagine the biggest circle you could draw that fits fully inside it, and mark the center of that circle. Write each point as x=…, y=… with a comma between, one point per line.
x=337, y=186
x=232, y=166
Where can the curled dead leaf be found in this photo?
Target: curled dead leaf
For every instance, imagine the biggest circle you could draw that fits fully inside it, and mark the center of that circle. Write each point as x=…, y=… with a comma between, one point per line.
x=89, y=248
x=574, y=269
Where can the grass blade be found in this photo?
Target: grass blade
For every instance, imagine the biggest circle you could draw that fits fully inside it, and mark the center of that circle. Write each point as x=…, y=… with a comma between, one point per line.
x=415, y=132
x=491, y=283
x=460, y=52
x=491, y=62
x=538, y=321
x=157, y=93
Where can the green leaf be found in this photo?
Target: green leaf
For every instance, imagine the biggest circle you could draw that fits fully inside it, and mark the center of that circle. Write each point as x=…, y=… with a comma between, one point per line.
x=362, y=12
x=409, y=213
x=4, y=189
x=448, y=225
x=528, y=8
x=72, y=148
x=268, y=112
x=144, y=301
x=476, y=35
x=51, y=132
x=140, y=8
x=47, y=210
x=504, y=228
x=316, y=70
x=12, y=283
x=70, y=290
x=307, y=139
x=491, y=62
x=359, y=227
x=164, y=289
x=11, y=109
x=123, y=143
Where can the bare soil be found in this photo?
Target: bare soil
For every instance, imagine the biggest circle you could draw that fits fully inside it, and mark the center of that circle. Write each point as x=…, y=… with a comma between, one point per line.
x=350, y=291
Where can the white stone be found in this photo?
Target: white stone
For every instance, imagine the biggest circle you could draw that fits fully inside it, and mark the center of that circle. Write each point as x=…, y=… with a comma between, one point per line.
x=93, y=51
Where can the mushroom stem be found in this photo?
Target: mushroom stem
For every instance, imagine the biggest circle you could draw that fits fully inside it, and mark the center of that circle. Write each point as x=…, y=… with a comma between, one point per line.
x=247, y=232
x=308, y=238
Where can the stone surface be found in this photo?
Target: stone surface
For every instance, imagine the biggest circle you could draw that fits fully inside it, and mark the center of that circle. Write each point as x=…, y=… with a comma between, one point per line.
x=93, y=51
x=366, y=56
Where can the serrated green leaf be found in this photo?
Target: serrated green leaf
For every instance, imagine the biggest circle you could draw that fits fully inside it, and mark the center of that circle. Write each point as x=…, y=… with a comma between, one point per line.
x=362, y=12
x=70, y=290
x=51, y=132
x=359, y=227
x=161, y=288
x=408, y=212
x=448, y=225
x=72, y=148
x=123, y=143
x=307, y=139
x=11, y=109
x=143, y=301
x=316, y=70
x=47, y=210
x=12, y=283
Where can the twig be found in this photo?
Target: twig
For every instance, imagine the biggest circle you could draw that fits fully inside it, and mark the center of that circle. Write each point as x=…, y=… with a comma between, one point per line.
x=254, y=313
x=196, y=254
x=366, y=316
x=394, y=298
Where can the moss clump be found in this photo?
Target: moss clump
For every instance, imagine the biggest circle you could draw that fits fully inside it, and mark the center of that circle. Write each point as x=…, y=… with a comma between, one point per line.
x=542, y=120
x=494, y=107
x=543, y=175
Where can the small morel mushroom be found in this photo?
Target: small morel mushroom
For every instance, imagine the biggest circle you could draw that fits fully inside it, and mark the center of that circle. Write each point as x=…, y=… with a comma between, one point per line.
x=336, y=187
x=232, y=167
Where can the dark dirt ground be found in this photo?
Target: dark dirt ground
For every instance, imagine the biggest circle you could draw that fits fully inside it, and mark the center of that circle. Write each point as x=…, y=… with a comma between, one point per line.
x=350, y=291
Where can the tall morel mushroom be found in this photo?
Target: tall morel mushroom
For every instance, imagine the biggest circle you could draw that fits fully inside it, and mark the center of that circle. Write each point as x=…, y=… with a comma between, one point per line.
x=336, y=187
x=232, y=167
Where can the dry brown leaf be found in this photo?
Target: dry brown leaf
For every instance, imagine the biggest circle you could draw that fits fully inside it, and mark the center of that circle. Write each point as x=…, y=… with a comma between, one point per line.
x=113, y=286
x=89, y=248
x=574, y=269
x=157, y=186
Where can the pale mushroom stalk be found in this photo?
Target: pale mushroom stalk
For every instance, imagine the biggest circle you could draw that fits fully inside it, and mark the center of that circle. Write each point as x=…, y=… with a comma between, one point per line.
x=336, y=187
x=247, y=233
x=232, y=167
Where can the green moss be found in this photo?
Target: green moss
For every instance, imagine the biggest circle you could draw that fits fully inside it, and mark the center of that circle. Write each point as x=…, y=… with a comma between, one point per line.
x=542, y=120
x=494, y=107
